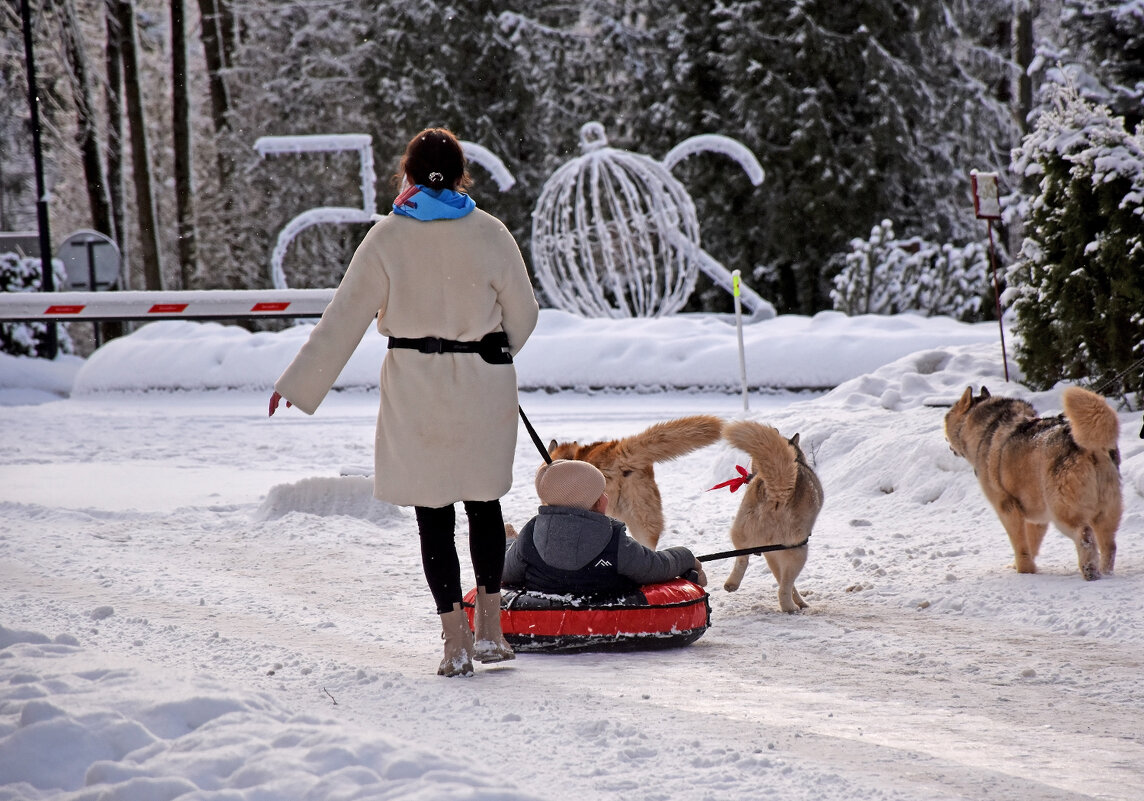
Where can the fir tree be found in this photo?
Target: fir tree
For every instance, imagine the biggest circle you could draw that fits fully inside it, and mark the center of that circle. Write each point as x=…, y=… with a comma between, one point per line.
x=1078, y=285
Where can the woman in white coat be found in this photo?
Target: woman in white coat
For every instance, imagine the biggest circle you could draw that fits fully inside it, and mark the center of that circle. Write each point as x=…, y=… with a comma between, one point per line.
x=448, y=286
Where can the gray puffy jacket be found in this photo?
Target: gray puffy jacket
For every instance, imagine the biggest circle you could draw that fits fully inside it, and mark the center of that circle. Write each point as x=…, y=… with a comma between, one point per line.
x=570, y=539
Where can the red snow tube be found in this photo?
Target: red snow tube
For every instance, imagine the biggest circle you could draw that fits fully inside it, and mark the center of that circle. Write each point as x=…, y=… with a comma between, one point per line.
x=667, y=615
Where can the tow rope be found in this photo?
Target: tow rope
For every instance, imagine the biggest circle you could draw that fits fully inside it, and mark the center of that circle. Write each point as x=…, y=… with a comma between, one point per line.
x=747, y=551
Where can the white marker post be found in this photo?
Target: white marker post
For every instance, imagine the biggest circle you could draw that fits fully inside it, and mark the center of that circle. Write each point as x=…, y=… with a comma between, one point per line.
x=739, y=329
x=987, y=206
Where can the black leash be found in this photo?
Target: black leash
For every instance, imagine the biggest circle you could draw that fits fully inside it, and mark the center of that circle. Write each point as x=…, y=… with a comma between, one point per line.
x=746, y=551
x=535, y=437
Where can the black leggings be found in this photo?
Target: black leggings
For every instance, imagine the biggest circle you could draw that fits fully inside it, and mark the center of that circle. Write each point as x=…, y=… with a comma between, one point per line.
x=439, y=551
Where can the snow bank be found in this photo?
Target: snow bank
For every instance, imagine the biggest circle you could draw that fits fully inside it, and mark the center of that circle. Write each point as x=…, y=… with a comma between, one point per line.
x=351, y=496
x=91, y=729
x=25, y=380
x=565, y=351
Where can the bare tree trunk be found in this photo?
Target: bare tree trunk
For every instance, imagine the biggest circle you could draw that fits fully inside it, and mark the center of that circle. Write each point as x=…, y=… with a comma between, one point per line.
x=113, y=94
x=184, y=180
x=87, y=130
x=217, y=49
x=1023, y=52
x=140, y=155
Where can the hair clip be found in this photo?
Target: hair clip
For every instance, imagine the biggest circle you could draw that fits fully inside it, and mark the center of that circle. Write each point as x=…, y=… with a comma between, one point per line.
x=435, y=177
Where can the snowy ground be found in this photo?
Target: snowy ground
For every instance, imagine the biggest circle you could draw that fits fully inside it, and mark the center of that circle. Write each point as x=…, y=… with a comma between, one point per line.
x=195, y=603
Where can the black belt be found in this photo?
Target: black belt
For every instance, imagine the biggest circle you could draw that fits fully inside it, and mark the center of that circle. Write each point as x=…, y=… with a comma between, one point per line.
x=492, y=347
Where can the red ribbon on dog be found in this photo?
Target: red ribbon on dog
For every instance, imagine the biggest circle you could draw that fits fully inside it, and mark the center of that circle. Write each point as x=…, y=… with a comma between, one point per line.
x=734, y=483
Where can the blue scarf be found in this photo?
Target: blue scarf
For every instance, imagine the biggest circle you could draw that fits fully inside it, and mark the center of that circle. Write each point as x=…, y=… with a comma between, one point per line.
x=434, y=204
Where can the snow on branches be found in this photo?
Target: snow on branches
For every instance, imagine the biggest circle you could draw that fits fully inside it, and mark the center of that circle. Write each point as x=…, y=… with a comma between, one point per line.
x=1078, y=284
x=886, y=275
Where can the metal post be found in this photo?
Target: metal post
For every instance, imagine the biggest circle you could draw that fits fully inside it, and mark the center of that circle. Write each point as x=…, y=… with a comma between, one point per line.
x=90, y=244
x=997, y=297
x=739, y=328
x=47, y=284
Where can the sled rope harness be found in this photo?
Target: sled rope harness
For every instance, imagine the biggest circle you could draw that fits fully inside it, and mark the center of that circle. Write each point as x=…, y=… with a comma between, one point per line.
x=492, y=347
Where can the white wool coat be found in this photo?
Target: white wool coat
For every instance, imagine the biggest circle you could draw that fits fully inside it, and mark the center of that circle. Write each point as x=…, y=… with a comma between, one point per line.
x=447, y=425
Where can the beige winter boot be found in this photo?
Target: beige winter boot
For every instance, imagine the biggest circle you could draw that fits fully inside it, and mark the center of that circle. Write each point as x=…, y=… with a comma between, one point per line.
x=490, y=642
x=458, y=659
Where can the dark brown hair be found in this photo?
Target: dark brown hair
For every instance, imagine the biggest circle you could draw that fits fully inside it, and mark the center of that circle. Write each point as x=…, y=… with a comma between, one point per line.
x=434, y=158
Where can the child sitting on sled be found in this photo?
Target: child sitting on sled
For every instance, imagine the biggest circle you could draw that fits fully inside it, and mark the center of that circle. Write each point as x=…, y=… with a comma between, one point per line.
x=573, y=547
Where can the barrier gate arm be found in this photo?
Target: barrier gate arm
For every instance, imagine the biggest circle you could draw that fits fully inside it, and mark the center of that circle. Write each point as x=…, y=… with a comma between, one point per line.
x=206, y=304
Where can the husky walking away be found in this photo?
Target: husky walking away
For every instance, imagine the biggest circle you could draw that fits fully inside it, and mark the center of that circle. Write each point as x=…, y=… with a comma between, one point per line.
x=780, y=504
x=628, y=465
x=1036, y=470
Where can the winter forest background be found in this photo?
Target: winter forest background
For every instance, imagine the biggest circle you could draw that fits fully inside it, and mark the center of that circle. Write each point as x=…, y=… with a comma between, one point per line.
x=866, y=115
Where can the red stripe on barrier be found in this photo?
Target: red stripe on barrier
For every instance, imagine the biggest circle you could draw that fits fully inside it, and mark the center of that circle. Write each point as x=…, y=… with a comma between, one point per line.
x=167, y=308
x=64, y=309
x=269, y=307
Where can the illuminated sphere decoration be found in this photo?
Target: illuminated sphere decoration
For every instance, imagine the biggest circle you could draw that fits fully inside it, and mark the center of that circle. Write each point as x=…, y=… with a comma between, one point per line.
x=614, y=234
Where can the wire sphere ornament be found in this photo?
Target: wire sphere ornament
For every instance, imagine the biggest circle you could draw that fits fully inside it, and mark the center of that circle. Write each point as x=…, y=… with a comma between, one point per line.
x=614, y=234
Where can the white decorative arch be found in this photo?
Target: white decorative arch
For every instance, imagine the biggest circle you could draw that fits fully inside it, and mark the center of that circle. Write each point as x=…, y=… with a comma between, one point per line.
x=479, y=154
x=320, y=143
x=363, y=144
x=717, y=143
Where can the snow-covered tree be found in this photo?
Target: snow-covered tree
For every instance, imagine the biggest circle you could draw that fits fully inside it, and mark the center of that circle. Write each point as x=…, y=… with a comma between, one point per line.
x=17, y=184
x=1113, y=31
x=886, y=275
x=575, y=63
x=858, y=111
x=1078, y=284
x=348, y=68
x=23, y=274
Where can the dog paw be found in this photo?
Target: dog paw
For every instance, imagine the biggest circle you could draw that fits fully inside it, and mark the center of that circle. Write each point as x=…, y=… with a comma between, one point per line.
x=1090, y=572
x=731, y=586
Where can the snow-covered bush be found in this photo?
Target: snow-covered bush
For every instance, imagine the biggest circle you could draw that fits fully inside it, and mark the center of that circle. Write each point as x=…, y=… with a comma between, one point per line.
x=22, y=274
x=885, y=275
x=1078, y=283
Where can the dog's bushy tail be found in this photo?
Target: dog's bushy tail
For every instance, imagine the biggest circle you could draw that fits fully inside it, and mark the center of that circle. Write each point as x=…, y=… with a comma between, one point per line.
x=1094, y=424
x=772, y=456
x=671, y=439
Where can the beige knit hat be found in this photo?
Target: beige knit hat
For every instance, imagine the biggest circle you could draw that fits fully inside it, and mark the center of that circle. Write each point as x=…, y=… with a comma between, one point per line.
x=567, y=482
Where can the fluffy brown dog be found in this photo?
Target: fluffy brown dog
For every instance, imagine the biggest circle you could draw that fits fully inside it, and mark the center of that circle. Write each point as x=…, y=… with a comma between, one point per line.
x=628, y=466
x=1033, y=470
x=779, y=506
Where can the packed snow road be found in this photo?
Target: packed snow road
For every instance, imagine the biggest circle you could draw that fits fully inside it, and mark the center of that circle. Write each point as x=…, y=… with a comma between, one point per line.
x=186, y=534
